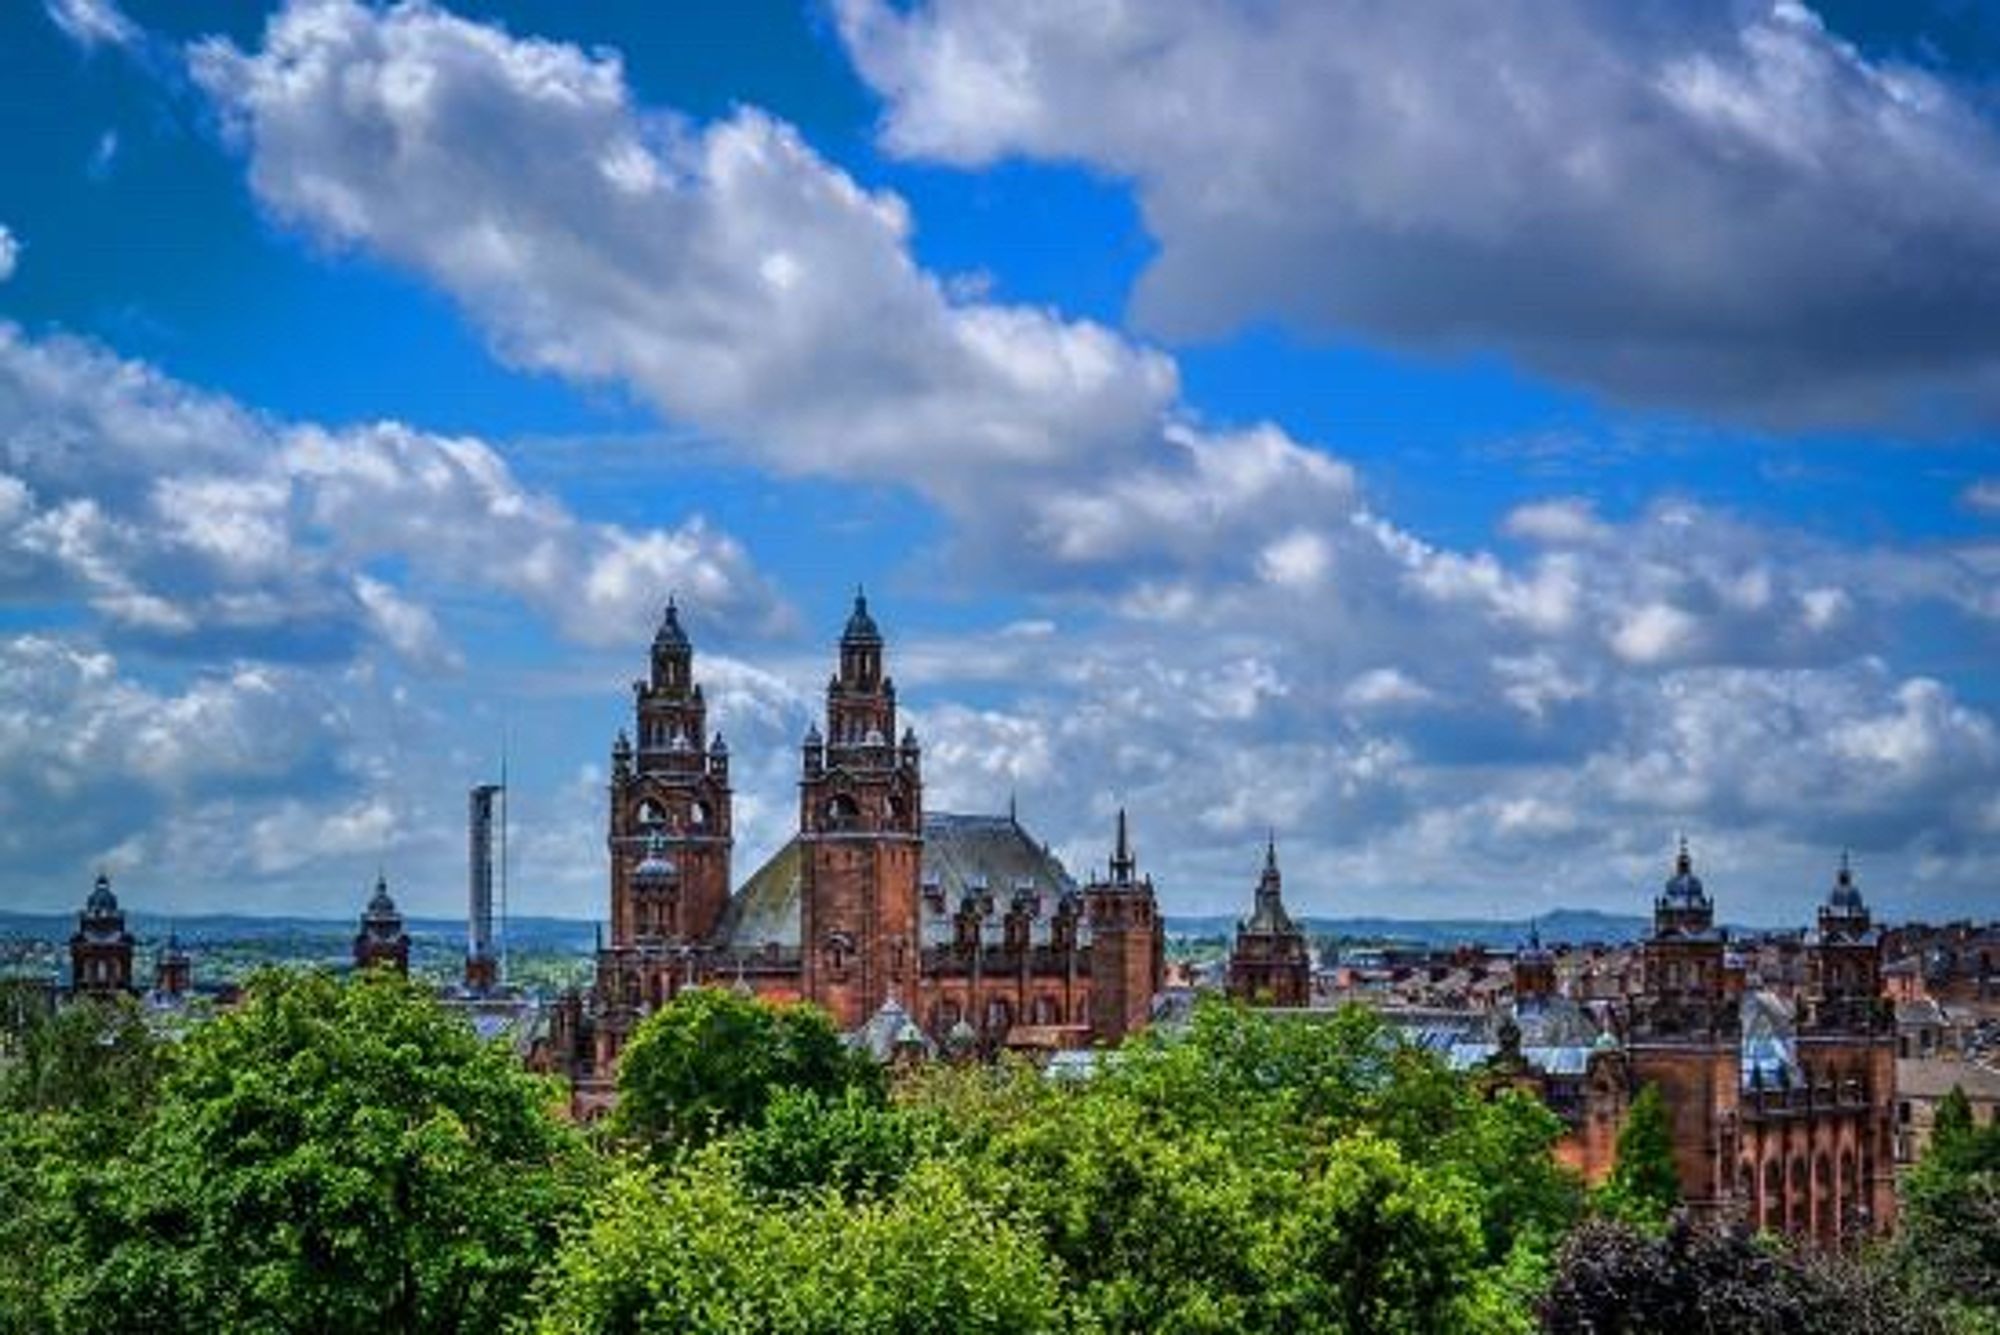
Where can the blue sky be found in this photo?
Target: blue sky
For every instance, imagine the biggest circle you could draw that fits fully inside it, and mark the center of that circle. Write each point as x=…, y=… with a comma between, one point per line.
x=1479, y=443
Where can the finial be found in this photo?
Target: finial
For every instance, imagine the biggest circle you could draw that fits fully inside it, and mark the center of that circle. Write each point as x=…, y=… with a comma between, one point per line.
x=1013, y=811
x=1846, y=868
x=1683, y=861
x=1271, y=850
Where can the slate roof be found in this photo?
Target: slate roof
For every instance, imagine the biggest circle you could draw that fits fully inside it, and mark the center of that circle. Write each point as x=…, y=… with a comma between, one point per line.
x=962, y=854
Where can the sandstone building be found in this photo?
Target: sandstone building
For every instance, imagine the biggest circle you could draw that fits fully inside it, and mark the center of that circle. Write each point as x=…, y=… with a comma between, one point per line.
x=963, y=925
x=1270, y=963
x=1782, y=1112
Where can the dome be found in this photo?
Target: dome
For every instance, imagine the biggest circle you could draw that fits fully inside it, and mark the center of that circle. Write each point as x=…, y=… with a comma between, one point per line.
x=656, y=865
x=860, y=626
x=670, y=634
x=1846, y=894
x=379, y=903
x=1684, y=888
x=101, y=901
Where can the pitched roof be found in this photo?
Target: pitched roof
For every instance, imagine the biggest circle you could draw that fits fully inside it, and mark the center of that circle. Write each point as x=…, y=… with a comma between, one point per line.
x=962, y=854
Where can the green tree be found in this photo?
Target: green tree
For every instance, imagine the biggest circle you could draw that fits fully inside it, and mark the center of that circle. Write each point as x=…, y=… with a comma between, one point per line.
x=95, y=1057
x=1616, y=1278
x=808, y=1142
x=1173, y=1188
x=75, y=1087
x=694, y=1249
x=1948, y=1237
x=710, y=1061
x=330, y=1157
x=1375, y=1244
x=1644, y=1186
x=1952, y=1120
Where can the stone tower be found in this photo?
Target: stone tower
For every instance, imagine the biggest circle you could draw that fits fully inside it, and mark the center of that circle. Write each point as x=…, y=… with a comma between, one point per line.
x=1270, y=964
x=670, y=806
x=100, y=950
x=173, y=969
x=1127, y=945
x=381, y=941
x=861, y=839
x=1534, y=969
x=1847, y=1051
x=1684, y=1036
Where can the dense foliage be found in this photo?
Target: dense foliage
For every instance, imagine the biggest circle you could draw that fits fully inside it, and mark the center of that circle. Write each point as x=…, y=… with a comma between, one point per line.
x=1616, y=1278
x=712, y=1061
x=336, y=1156
x=325, y=1157
x=1949, y=1234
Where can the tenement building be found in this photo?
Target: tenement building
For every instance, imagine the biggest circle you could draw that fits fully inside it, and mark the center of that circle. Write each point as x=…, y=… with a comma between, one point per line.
x=963, y=925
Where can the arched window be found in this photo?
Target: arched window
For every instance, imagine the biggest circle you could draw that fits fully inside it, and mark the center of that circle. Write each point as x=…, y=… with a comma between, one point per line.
x=1046, y=1010
x=999, y=1017
x=841, y=812
x=698, y=815
x=649, y=812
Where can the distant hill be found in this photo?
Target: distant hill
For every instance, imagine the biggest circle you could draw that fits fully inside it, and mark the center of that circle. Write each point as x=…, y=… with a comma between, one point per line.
x=310, y=937
x=527, y=933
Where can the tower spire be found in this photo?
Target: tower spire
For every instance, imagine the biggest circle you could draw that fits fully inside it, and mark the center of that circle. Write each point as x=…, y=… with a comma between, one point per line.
x=1121, y=853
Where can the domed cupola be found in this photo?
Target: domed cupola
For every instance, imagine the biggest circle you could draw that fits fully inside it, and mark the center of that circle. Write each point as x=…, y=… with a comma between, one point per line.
x=1845, y=913
x=102, y=903
x=671, y=635
x=1684, y=889
x=1683, y=907
x=861, y=628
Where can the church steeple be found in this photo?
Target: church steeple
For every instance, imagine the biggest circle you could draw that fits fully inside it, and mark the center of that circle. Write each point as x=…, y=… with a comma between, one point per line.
x=1270, y=963
x=1269, y=914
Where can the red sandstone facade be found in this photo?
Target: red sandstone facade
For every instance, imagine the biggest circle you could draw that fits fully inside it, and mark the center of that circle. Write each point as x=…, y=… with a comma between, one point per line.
x=962, y=923
x=100, y=950
x=1782, y=1119
x=1270, y=963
